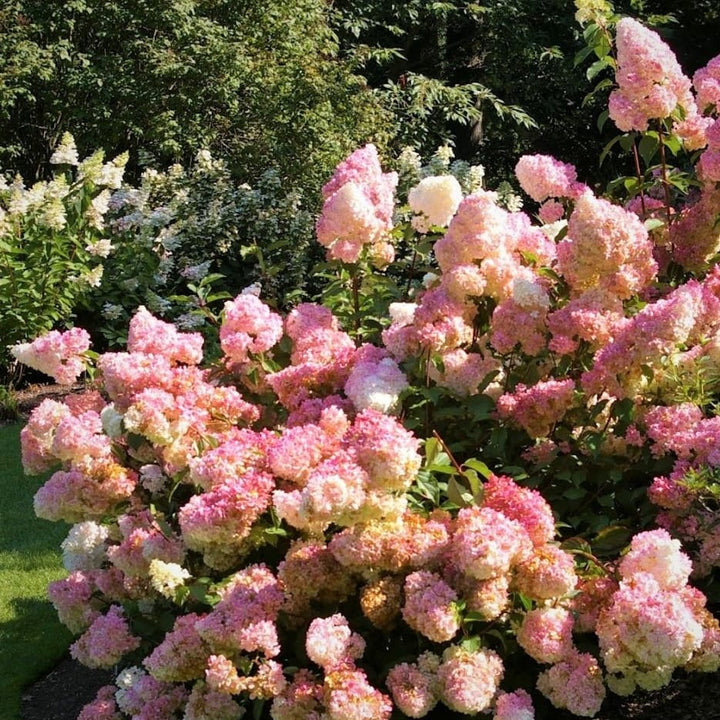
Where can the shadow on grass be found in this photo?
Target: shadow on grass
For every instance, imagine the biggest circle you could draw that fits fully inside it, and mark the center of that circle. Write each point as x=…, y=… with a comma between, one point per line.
x=31, y=644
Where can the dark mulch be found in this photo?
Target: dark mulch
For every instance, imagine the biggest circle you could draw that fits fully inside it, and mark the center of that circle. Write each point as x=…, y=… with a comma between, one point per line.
x=31, y=396
x=62, y=694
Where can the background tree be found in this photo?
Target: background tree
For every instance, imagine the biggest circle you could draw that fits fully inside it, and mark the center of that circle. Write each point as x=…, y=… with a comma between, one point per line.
x=258, y=83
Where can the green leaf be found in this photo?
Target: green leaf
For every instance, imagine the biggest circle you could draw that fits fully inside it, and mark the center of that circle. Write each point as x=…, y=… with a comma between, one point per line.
x=610, y=540
x=653, y=223
x=478, y=465
x=673, y=144
x=597, y=67
x=456, y=494
x=648, y=146
x=472, y=643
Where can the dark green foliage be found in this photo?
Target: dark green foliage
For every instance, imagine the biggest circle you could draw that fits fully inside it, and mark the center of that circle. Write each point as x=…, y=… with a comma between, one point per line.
x=255, y=82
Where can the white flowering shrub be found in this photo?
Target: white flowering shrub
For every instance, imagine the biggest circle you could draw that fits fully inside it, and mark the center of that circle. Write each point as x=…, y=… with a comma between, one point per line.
x=54, y=243
x=181, y=229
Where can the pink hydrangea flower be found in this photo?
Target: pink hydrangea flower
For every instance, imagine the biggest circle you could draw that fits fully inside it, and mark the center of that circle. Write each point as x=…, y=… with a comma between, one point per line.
x=181, y=655
x=463, y=372
x=80, y=436
x=349, y=222
x=241, y=452
x=469, y=680
x=486, y=543
x=245, y=617
x=548, y=573
x=514, y=706
x=707, y=84
x=653, y=332
x=550, y=212
x=542, y=176
x=524, y=505
x=656, y=553
x=299, y=450
x=143, y=697
x=539, y=407
x=430, y=606
x=309, y=571
x=514, y=325
x=222, y=676
x=248, y=326
x=594, y=316
x=650, y=79
x=106, y=641
x=348, y=695
x=693, y=234
x=414, y=690
x=442, y=323
x=332, y=644
x=204, y=703
x=73, y=599
x=606, y=247
x=103, y=707
x=358, y=208
x=408, y=542
x=300, y=700
x=647, y=627
x=217, y=522
x=384, y=449
x=58, y=354
x=575, y=684
x=36, y=438
x=335, y=490
x=85, y=492
x=594, y=594
x=149, y=335
x=546, y=634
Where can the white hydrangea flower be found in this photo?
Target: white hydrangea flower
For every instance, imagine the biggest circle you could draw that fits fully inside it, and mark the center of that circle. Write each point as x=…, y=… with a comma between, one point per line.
x=125, y=681
x=111, y=421
x=552, y=230
x=54, y=215
x=167, y=577
x=101, y=248
x=84, y=546
x=530, y=295
x=96, y=212
x=94, y=277
x=91, y=167
x=66, y=152
x=203, y=157
x=434, y=200
x=476, y=175
x=376, y=386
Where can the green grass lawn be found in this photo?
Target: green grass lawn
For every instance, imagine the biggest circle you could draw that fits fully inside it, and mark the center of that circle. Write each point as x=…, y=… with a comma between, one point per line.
x=32, y=639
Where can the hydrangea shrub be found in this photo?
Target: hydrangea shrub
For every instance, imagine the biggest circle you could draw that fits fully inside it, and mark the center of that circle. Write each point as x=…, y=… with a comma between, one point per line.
x=303, y=526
